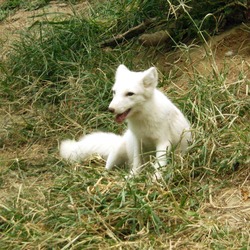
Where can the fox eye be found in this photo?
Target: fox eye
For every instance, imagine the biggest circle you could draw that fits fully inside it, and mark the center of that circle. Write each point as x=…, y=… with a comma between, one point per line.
x=130, y=94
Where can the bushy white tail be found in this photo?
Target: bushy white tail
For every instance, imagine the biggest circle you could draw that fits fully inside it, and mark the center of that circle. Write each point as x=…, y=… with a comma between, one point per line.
x=95, y=143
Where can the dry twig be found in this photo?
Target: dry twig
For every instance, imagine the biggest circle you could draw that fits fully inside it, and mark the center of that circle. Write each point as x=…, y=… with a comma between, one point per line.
x=134, y=31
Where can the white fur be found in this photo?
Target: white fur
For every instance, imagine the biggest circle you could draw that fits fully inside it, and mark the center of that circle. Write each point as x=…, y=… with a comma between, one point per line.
x=155, y=124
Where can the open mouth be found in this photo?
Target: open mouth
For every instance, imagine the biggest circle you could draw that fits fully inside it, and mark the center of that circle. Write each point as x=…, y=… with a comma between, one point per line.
x=121, y=117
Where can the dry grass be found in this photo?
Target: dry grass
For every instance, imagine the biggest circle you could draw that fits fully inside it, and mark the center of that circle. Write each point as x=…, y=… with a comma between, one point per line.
x=45, y=203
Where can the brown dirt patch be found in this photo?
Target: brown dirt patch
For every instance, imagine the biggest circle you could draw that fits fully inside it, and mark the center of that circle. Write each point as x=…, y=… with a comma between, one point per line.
x=10, y=28
x=230, y=206
x=229, y=53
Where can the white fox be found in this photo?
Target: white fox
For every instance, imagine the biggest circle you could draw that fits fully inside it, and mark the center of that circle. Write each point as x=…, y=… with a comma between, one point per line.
x=155, y=125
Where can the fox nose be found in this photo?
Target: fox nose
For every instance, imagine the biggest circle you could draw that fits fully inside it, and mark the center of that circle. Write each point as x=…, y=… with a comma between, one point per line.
x=112, y=110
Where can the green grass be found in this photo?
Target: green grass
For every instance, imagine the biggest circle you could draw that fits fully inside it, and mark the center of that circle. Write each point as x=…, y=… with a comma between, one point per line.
x=9, y=7
x=55, y=84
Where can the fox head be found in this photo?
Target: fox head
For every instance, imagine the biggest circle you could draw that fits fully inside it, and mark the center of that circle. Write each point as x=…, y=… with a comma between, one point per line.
x=131, y=90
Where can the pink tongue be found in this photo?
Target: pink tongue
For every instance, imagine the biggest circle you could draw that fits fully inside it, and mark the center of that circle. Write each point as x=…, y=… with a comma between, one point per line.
x=121, y=117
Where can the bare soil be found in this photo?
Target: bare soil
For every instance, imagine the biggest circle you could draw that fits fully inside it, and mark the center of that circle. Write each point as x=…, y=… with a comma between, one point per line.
x=10, y=28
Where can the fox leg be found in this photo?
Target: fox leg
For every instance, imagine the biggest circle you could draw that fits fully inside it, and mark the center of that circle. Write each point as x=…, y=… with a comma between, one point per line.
x=161, y=158
x=136, y=162
x=136, y=159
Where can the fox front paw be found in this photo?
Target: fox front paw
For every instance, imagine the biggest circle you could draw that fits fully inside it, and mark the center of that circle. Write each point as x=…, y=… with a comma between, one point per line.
x=131, y=175
x=157, y=177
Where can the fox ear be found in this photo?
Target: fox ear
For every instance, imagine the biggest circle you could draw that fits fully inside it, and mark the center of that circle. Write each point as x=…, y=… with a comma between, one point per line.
x=121, y=68
x=150, y=78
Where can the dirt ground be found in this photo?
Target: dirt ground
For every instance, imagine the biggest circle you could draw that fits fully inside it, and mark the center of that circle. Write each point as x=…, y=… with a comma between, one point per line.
x=10, y=27
x=232, y=204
